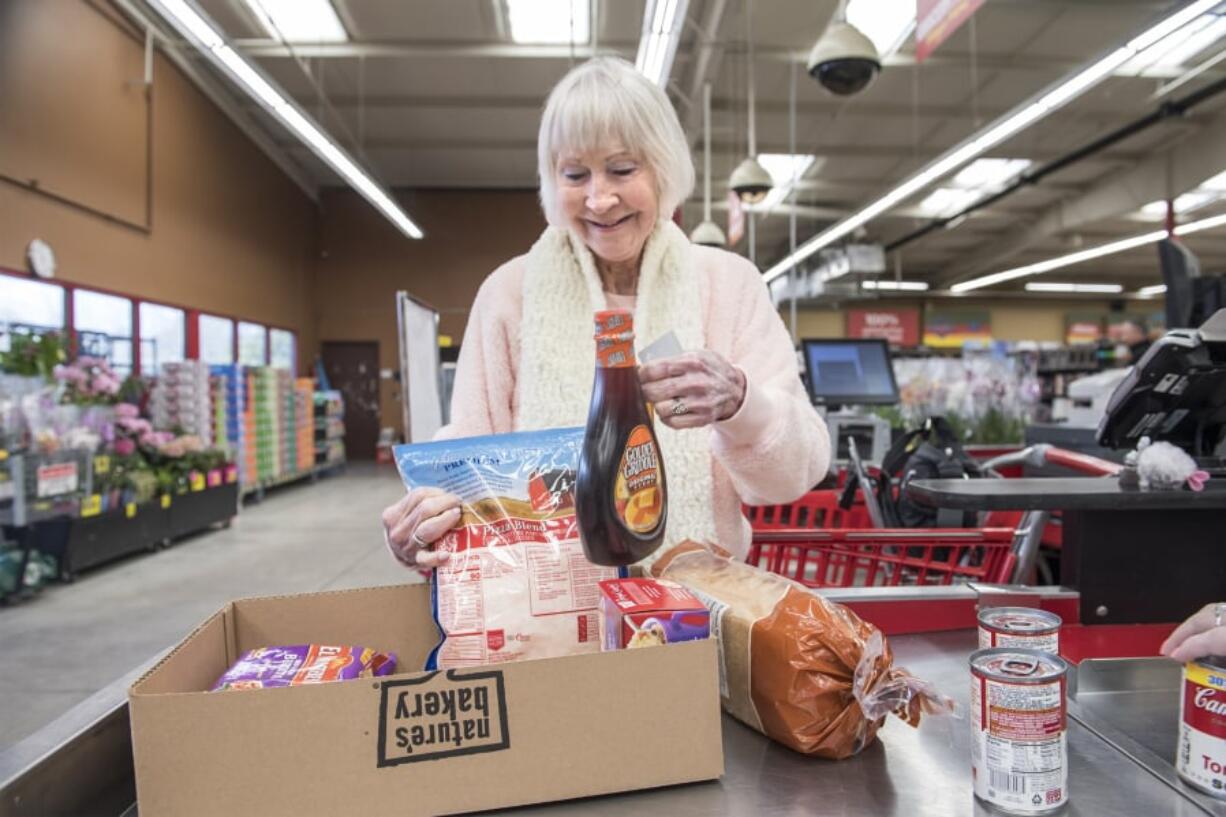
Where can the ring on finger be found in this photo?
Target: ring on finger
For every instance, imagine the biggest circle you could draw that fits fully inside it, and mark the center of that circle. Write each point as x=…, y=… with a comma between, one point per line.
x=418, y=541
x=679, y=407
x=1219, y=613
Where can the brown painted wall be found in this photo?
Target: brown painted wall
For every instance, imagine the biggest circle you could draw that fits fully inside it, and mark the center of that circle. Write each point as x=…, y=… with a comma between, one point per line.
x=364, y=261
x=230, y=232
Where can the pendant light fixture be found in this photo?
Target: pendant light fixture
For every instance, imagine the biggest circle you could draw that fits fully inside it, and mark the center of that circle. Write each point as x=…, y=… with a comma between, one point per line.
x=708, y=233
x=750, y=180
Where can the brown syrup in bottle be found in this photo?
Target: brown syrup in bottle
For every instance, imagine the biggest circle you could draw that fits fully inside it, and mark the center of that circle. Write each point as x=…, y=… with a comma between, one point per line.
x=620, y=496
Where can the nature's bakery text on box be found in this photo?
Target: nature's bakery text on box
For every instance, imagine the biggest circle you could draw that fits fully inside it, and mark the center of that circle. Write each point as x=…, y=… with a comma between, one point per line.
x=417, y=743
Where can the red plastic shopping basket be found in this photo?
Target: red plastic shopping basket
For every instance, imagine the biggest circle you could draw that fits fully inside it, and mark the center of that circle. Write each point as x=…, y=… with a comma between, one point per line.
x=890, y=557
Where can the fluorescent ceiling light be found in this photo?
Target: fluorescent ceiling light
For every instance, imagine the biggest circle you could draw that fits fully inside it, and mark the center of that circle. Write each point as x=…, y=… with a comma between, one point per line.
x=549, y=21
x=980, y=178
x=1090, y=254
x=1217, y=183
x=299, y=21
x=785, y=170
x=1192, y=200
x=945, y=201
x=990, y=173
x=1151, y=291
x=1105, y=289
x=1062, y=261
x=1011, y=123
x=200, y=31
x=888, y=23
x=662, y=24
x=1177, y=48
x=905, y=286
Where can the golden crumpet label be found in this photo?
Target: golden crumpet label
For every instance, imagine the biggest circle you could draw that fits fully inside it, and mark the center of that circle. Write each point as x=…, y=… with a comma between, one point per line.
x=637, y=492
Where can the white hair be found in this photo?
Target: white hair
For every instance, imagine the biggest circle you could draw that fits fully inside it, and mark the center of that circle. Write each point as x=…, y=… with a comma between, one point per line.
x=605, y=100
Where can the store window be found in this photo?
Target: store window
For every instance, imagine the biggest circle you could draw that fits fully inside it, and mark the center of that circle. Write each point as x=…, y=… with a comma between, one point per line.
x=162, y=334
x=31, y=305
x=282, y=350
x=103, y=326
x=252, y=344
x=216, y=339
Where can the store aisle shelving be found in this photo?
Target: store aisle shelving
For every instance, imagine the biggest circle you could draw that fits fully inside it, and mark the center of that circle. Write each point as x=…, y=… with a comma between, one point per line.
x=72, y=640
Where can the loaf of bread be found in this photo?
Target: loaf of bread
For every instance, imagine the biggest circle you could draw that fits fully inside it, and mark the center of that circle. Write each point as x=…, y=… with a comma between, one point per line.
x=804, y=671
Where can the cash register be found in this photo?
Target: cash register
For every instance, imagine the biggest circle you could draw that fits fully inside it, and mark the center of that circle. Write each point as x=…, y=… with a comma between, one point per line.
x=844, y=375
x=1176, y=393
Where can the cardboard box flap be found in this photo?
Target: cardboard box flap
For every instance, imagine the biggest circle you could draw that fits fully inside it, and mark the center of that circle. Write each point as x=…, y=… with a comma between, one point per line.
x=197, y=663
x=396, y=618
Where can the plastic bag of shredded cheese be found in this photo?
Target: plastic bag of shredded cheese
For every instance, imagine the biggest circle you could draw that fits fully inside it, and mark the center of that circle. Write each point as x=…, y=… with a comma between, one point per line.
x=517, y=585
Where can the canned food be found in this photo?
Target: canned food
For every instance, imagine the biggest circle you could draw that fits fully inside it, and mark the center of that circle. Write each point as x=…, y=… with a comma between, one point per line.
x=1201, y=761
x=1019, y=718
x=1019, y=627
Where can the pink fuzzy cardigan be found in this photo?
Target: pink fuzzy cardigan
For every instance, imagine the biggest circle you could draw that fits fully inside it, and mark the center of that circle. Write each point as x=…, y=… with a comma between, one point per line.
x=772, y=450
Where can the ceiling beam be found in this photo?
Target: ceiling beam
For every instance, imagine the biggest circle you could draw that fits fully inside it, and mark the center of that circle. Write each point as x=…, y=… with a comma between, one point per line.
x=270, y=49
x=763, y=106
x=721, y=150
x=1170, y=173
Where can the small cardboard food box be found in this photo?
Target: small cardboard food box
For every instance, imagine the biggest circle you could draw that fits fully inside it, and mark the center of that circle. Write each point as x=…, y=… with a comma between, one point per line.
x=643, y=612
x=413, y=742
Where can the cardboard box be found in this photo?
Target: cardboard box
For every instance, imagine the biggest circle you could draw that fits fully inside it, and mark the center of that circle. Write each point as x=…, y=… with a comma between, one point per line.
x=644, y=612
x=415, y=742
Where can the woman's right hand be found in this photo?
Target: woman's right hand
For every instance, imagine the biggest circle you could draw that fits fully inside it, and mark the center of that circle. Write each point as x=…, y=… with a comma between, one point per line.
x=417, y=521
x=1204, y=633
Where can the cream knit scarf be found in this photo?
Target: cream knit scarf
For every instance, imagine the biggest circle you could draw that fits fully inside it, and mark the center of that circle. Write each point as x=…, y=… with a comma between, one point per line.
x=562, y=290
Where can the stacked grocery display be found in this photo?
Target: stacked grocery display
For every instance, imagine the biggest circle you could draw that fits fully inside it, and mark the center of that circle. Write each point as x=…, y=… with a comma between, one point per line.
x=329, y=428
x=226, y=382
x=181, y=399
x=304, y=424
x=286, y=460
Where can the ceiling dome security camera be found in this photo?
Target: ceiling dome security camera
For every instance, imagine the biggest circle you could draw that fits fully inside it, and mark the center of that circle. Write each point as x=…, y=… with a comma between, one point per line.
x=750, y=181
x=709, y=235
x=844, y=61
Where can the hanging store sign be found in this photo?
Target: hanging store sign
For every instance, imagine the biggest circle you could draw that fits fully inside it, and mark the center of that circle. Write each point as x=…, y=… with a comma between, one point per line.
x=900, y=327
x=1082, y=328
x=936, y=20
x=736, y=219
x=955, y=329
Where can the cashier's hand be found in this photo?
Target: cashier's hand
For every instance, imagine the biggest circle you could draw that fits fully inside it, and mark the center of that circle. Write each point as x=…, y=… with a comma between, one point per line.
x=693, y=389
x=416, y=522
x=1202, y=634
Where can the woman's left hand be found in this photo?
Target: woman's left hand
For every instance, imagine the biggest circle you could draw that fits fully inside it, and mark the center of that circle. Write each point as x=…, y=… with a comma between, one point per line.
x=693, y=389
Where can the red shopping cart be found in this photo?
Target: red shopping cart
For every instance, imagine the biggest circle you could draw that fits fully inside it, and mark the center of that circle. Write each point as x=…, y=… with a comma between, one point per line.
x=820, y=544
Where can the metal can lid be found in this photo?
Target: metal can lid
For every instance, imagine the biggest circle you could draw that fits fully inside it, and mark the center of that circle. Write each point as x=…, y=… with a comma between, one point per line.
x=1213, y=662
x=1019, y=619
x=1018, y=665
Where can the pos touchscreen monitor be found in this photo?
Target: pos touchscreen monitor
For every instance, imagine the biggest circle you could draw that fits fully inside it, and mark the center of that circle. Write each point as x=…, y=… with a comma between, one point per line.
x=849, y=372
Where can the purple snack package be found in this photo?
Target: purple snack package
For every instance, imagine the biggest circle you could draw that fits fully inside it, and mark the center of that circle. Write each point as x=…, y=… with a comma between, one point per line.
x=268, y=667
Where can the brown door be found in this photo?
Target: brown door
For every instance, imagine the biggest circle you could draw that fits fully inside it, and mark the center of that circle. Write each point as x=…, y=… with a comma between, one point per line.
x=353, y=369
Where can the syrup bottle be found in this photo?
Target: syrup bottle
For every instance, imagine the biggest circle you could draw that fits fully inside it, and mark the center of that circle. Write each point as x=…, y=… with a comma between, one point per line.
x=620, y=496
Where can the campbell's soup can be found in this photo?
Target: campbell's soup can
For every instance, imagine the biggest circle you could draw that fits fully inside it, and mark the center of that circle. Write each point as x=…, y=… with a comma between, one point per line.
x=1201, y=761
x=1019, y=719
x=1019, y=627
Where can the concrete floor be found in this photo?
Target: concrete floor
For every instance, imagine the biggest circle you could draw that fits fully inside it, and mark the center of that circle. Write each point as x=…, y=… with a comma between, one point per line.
x=71, y=640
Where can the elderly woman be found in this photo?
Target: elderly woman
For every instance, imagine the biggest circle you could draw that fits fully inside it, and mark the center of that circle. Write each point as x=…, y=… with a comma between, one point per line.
x=736, y=423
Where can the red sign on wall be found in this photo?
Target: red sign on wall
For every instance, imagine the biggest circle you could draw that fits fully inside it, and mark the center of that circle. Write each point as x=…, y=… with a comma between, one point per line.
x=935, y=20
x=898, y=326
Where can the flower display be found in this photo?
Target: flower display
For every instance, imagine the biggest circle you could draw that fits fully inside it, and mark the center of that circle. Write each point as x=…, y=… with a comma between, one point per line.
x=88, y=381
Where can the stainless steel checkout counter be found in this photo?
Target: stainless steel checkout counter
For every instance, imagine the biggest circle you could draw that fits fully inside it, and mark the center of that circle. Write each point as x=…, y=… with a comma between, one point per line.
x=1121, y=743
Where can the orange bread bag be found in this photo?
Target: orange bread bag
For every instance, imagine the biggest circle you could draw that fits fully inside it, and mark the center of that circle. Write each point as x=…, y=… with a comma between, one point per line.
x=804, y=671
